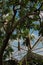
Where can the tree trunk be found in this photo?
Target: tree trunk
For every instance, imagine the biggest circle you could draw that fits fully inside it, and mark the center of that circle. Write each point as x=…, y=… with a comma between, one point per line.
x=33, y=56
x=1, y=63
x=28, y=42
x=18, y=46
x=5, y=42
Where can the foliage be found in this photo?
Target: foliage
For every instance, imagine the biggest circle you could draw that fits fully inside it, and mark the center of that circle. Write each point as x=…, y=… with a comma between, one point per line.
x=21, y=15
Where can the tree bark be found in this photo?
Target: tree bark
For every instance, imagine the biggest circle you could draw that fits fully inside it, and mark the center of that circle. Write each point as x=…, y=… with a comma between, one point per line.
x=36, y=42
x=28, y=42
x=5, y=42
x=8, y=34
x=1, y=63
x=31, y=55
x=18, y=45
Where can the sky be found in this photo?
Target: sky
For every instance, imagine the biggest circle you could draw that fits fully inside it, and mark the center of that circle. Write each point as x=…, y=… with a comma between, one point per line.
x=15, y=42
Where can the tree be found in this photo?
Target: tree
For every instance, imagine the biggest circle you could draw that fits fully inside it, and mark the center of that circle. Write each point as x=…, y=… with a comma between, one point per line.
x=19, y=15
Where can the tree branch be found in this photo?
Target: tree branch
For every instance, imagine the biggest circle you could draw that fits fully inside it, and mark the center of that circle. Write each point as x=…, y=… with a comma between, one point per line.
x=36, y=42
